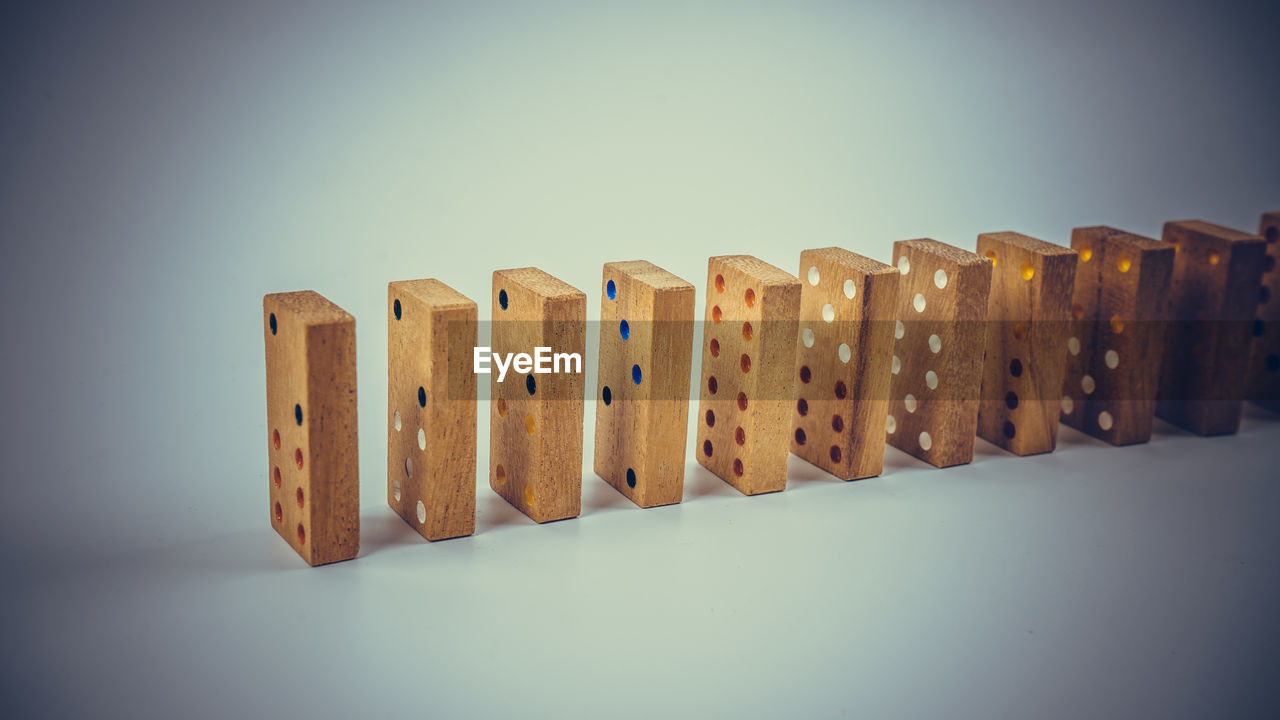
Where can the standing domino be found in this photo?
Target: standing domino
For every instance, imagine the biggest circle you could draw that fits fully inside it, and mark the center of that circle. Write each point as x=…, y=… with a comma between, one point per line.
x=535, y=427
x=431, y=408
x=646, y=354
x=848, y=304
x=1213, y=298
x=1264, y=362
x=748, y=366
x=1027, y=313
x=313, y=473
x=937, y=363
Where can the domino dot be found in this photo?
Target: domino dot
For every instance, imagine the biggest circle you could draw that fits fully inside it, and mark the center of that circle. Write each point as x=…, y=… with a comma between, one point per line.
x=502, y=408
x=1214, y=259
x=835, y=453
x=1113, y=359
x=611, y=290
x=1259, y=327
x=500, y=474
x=1105, y=421
x=807, y=337
x=302, y=534
x=1009, y=430
x=1086, y=253
x=719, y=283
x=395, y=307
x=276, y=477
x=918, y=302
x=800, y=438
x=275, y=438
x=802, y=407
x=1117, y=324
x=395, y=490
x=940, y=278
x=631, y=478
x=1264, y=292
x=635, y=373
x=742, y=401
x=814, y=276
x=528, y=423
x=297, y=457
x=1019, y=331
x=1087, y=384
x=502, y=299
x=528, y=495
x=740, y=435
x=1028, y=271
x=897, y=365
x=837, y=423
x=899, y=330
x=1268, y=263
x=841, y=390
x=1015, y=367
x=850, y=288
x=298, y=496
x=605, y=394
x=737, y=467
x=279, y=513
x=715, y=348
x=1068, y=405
x=1272, y=234
x=1077, y=311
x=717, y=314
x=422, y=439
x=530, y=384
x=1123, y=263
x=828, y=313
x=395, y=420
x=1073, y=345
x=1011, y=400
x=805, y=374
x=747, y=331
x=422, y=513
x=711, y=418
x=272, y=322
x=990, y=255
x=422, y=396
x=1273, y=362
x=909, y=402
x=624, y=329
x=935, y=344
x=750, y=297
x=712, y=385
x=744, y=361
x=926, y=441
x=844, y=352
x=931, y=379
x=297, y=414
x=408, y=467
x=904, y=265
x=890, y=424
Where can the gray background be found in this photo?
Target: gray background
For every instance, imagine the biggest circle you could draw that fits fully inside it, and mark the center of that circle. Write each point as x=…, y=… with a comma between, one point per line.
x=163, y=165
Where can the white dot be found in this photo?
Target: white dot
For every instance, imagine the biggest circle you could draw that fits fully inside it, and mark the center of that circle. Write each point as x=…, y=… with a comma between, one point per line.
x=395, y=490
x=1068, y=405
x=1113, y=359
x=918, y=302
x=899, y=330
x=1104, y=420
x=926, y=442
x=814, y=276
x=935, y=344
x=845, y=352
x=931, y=379
x=940, y=278
x=395, y=421
x=904, y=265
x=897, y=365
x=1073, y=346
x=1087, y=384
x=408, y=467
x=828, y=313
x=910, y=402
x=422, y=512
x=807, y=337
x=890, y=424
x=422, y=439
x=850, y=289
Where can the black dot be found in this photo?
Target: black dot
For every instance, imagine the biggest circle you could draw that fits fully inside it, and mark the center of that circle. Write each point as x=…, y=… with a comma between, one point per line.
x=1015, y=367
x=422, y=396
x=837, y=423
x=607, y=395
x=1259, y=327
x=1011, y=400
x=706, y=448
x=1009, y=430
x=711, y=418
x=800, y=438
x=396, y=306
x=802, y=407
x=841, y=390
x=530, y=384
x=502, y=299
x=297, y=413
x=805, y=374
x=272, y=322
x=631, y=478
x=835, y=453
x=1273, y=362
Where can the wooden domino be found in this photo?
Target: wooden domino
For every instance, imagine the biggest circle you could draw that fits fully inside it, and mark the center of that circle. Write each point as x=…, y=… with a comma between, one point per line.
x=1213, y=299
x=1264, y=361
x=535, y=424
x=646, y=355
x=313, y=473
x=431, y=408
x=848, y=304
x=748, y=365
x=937, y=361
x=1027, y=313
x=1116, y=334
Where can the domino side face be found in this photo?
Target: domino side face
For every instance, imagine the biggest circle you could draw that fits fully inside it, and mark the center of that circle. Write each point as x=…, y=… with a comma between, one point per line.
x=1213, y=301
x=313, y=470
x=1264, y=362
x=1115, y=344
x=937, y=362
x=431, y=408
x=535, y=439
x=748, y=365
x=1027, y=314
x=646, y=351
x=848, y=306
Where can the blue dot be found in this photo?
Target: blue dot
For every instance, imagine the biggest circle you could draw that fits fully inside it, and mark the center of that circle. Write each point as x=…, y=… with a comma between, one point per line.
x=273, y=323
x=624, y=329
x=607, y=395
x=631, y=478
x=297, y=414
x=530, y=384
x=396, y=307
x=635, y=374
x=502, y=299
x=422, y=396
x=612, y=290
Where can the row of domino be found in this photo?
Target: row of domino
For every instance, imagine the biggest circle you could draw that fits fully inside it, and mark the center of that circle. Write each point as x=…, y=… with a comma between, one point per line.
x=926, y=353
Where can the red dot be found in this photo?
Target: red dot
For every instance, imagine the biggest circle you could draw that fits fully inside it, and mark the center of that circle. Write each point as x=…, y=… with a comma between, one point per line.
x=740, y=436
x=742, y=401
x=841, y=390
x=711, y=419
x=746, y=363
x=737, y=467
x=835, y=454
x=715, y=347
x=837, y=423
x=712, y=385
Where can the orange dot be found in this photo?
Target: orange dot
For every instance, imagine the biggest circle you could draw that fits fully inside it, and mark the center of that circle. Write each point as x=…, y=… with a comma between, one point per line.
x=737, y=467
x=279, y=513
x=299, y=497
x=715, y=347
x=276, y=478
x=502, y=407
x=1077, y=312
x=716, y=314
x=746, y=331
x=1214, y=259
x=1020, y=331
x=750, y=297
x=297, y=457
x=991, y=255
x=719, y=283
x=275, y=438
x=302, y=534
x=1086, y=253
x=1117, y=324
x=745, y=362
x=742, y=401
x=1028, y=271
x=1124, y=263
x=500, y=474
x=528, y=423
x=740, y=436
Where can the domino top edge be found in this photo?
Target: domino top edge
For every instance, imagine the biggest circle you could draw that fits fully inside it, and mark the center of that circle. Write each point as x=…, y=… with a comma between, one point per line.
x=862, y=263
x=1133, y=240
x=1026, y=242
x=649, y=274
x=310, y=306
x=951, y=253
x=541, y=283
x=753, y=266
x=1214, y=230
x=432, y=292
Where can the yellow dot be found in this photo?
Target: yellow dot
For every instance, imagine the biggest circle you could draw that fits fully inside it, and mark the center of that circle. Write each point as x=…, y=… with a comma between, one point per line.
x=1213, y=258
x=1086, y=254
x=502, y=407
x=991, y=255
x=528, y=423
x=528, y=494
x=1028, y=271
x=500, y=474
x=1124, y=263
x=1117, y=324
